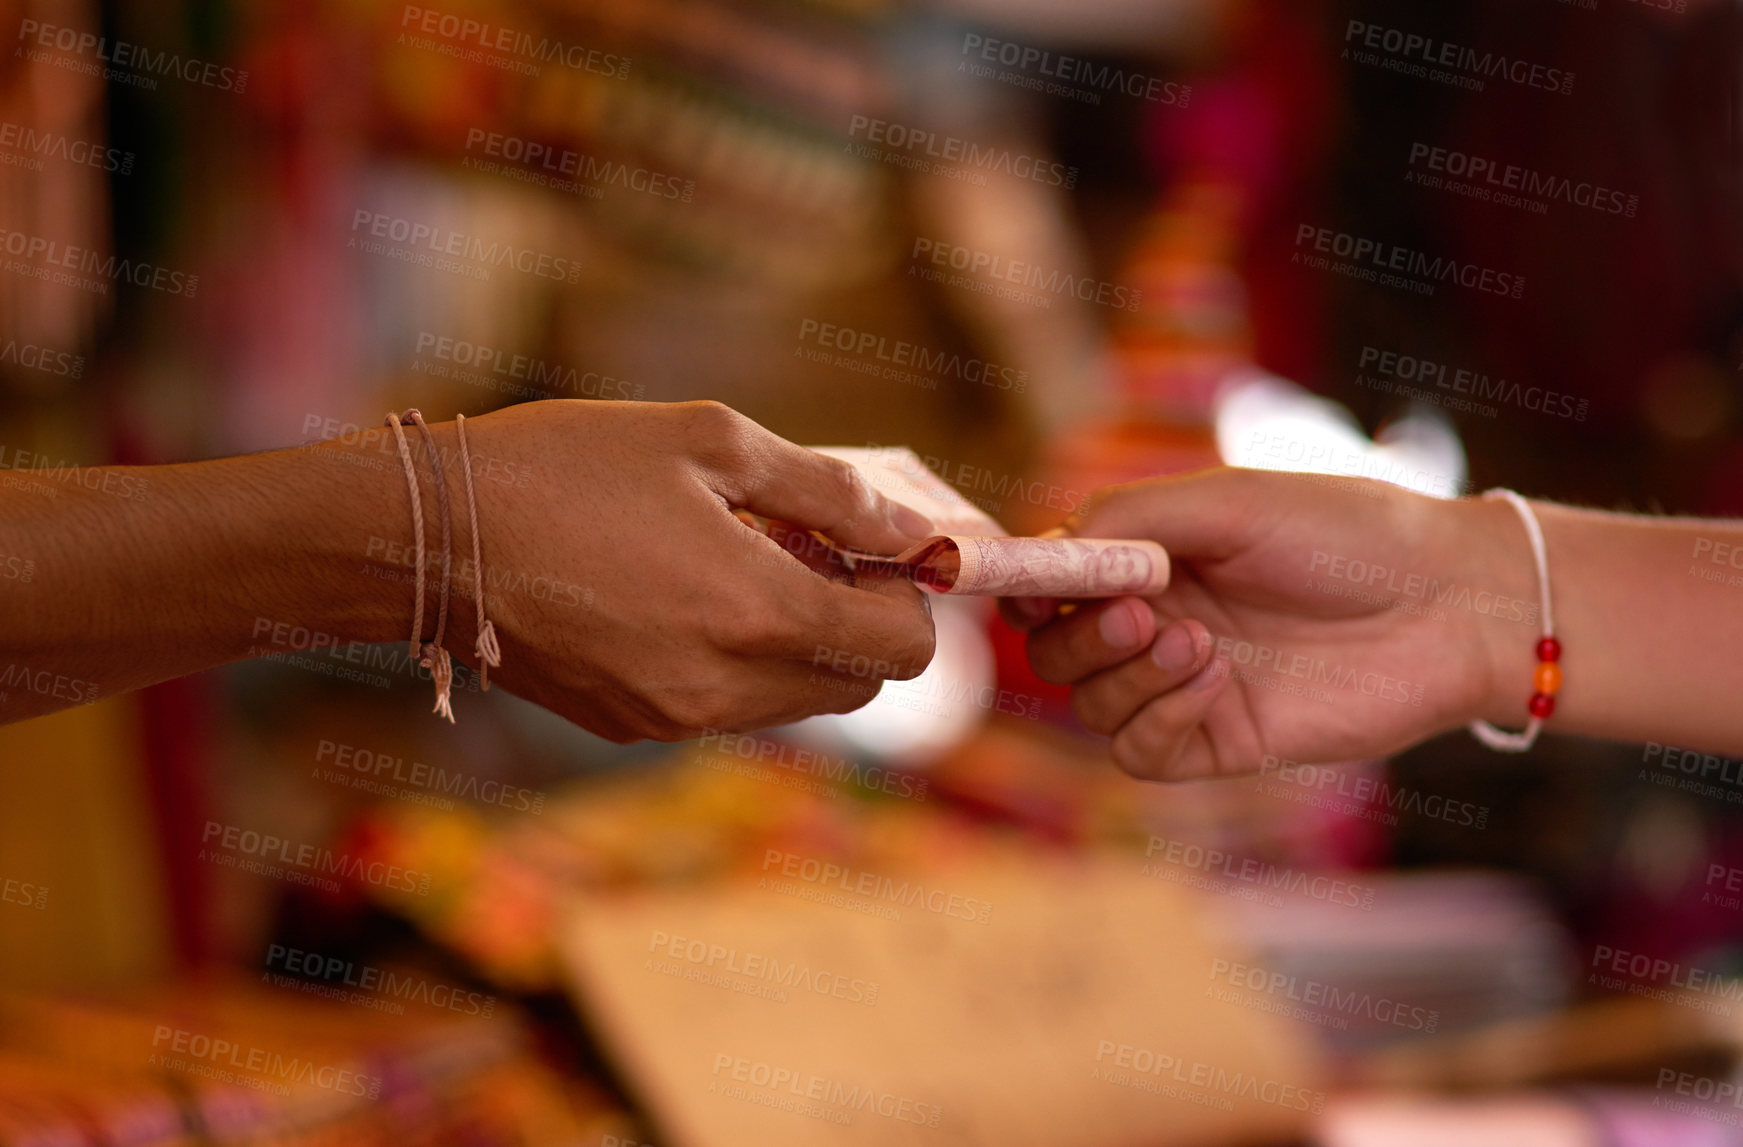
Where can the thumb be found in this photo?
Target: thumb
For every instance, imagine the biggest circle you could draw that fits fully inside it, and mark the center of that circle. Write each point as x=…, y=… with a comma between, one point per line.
x=778, y=479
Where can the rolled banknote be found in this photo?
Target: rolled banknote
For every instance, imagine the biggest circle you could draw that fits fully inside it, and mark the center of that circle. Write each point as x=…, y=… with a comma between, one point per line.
x=1028, y=567
x=972, y=554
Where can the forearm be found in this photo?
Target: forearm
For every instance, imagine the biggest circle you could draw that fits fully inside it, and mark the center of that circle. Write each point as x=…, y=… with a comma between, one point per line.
x=1652, y=649
x=135, y=582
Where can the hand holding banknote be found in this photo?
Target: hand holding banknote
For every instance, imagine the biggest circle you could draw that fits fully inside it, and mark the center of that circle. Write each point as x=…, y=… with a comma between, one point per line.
x=1262, y=647
x=971, y=554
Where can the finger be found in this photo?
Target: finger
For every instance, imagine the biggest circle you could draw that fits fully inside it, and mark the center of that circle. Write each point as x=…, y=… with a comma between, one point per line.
x=764, y=473
x=1208, y=514
x=1166, y=740
x=770, y=693
x=1090, y=639
x=879, y=627
x=1025, y=613
x=1107, y=700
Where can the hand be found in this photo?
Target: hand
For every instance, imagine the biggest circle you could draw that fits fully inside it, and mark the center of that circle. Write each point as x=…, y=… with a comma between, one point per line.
x=682, y=618
x=1272, y=641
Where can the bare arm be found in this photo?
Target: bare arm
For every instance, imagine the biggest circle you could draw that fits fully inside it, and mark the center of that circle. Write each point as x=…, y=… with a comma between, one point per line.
x=1327, y=620
x=626, y=594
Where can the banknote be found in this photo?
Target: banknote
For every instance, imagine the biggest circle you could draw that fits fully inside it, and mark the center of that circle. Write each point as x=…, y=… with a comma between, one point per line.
x=973, y=555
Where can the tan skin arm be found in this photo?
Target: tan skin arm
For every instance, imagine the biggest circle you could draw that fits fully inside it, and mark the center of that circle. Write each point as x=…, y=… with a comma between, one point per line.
x=1278, y=638
x=626, y=594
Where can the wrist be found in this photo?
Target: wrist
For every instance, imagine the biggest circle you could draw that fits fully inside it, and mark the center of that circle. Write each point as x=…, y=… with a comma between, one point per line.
x=345, y=523
x=1500, y=564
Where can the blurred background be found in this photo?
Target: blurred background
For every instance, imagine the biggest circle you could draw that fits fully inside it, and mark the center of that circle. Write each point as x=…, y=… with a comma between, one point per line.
x=1047, y=246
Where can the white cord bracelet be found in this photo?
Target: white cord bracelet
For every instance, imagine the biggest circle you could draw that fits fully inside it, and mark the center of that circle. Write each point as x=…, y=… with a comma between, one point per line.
x=1547, y=680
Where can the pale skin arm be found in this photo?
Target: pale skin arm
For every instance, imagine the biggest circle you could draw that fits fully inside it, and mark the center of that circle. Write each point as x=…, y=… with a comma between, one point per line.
x=1278, y=639
x=625, y=593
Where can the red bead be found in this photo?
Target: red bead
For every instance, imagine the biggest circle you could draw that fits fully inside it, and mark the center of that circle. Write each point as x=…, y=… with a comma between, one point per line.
x=1549, y=649
x=1542, y=705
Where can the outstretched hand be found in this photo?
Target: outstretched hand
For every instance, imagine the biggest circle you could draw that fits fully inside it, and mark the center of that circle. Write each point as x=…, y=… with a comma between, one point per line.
x=1309, y=619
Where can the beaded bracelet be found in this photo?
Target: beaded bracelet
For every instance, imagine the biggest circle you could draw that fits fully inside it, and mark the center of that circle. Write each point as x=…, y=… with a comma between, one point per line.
x=1546, y=680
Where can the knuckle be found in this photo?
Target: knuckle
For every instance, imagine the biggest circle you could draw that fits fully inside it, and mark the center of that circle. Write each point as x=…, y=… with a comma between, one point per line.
x=1044, y=658
x=1137, y=759
x=695, y=706
x=736, y=623
x=1089, y=712
x=719, y=433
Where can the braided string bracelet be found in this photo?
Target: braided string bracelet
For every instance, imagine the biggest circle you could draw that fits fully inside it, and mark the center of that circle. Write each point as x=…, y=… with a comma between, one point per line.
x=1547, y=678
x=431, y=654
x=489, y=652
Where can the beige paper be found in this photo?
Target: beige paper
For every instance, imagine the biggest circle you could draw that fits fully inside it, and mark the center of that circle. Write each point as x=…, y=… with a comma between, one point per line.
x=972, y=554
x=1044, y=1003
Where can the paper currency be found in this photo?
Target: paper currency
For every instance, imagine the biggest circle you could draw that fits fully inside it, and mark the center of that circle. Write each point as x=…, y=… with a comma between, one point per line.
x=976, y=556
x=1030, y=567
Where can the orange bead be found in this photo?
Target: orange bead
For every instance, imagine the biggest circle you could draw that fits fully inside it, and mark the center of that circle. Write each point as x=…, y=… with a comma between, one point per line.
x=1547, y=679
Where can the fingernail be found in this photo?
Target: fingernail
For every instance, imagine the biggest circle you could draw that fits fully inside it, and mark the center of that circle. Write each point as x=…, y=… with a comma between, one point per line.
x=910, y=521
x=1118, y=627
x=1173, y=650
x=1207, y=677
